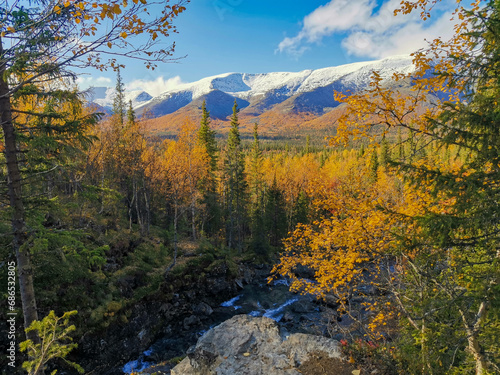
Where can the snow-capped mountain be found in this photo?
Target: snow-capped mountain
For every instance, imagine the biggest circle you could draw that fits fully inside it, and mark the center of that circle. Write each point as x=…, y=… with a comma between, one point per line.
x=306, y=91
x=104, y=96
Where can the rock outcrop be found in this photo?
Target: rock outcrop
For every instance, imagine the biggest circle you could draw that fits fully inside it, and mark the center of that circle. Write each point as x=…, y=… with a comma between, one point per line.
x=168, y=322
x=246, y=345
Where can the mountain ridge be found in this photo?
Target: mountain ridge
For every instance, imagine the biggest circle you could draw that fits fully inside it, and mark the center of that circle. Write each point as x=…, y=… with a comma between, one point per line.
x=265, y=90
x=280, y=101
x=103, y=97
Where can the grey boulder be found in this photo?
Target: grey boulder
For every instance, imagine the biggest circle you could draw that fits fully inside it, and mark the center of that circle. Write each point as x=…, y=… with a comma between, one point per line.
x=245, y=345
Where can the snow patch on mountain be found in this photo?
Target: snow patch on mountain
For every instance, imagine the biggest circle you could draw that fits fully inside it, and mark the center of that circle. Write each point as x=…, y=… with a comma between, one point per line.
x=104, y=96
x=169, y=103
x=261, y=83
x=232, y=82
x=250, y=86
x=312, y=90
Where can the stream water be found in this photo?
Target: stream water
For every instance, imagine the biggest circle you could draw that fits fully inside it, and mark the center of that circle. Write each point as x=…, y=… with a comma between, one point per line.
x=296, y=313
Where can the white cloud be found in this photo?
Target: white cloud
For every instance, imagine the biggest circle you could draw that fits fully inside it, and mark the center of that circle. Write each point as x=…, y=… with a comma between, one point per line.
x=155, y=87
x=337, y=15
x=370, y=32
x=385, y=21
x=406, y=39
x=85, y=82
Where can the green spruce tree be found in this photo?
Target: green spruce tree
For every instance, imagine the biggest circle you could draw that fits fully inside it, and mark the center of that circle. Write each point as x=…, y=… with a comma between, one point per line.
x=206, y=138
x=119, y=99
x=385, y=152
x=235, y=185
x=255, y=175
x=307, y=148
x=361, y=152
x=276, y=218
x=374, y=164
x=452, y=283
x=36, y=58
x=401, y=146
x=130, y=114
x=412, y=147
x=301, y=210
x=259, y=243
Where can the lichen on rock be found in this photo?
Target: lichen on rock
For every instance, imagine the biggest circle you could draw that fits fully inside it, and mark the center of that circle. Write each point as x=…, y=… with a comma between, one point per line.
x=247, y=345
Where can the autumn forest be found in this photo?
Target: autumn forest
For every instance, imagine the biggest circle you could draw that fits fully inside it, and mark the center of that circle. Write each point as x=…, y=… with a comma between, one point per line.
x=393, y=213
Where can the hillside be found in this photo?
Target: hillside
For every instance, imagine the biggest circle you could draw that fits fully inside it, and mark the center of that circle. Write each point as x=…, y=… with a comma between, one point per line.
x=103, y=97
x=280, y=102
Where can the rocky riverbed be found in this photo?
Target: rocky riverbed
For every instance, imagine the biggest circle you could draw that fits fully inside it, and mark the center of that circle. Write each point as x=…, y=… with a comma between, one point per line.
x=247, y=345
x=256, y=298
x=162, y=329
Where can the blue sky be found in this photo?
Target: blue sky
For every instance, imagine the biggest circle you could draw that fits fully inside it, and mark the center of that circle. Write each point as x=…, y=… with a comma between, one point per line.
x=257, y=36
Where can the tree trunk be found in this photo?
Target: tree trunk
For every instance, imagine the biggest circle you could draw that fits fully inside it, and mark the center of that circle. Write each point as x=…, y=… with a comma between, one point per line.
x=472, y=330
x=475, y=349
x=231, y=216
x=148, y=212
x=130, y=207
x=137, y=210
x=238, y=220
x=193, y=216
x=426, y=366
x=25, y=271
x=175, y=240
x=175, y=233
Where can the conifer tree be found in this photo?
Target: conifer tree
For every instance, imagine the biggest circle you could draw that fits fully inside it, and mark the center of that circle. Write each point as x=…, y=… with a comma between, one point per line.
x=51, y=133
x=401, y=147
x=39, y=44
x=235, y=185
x=301, y=210
x=276, y=218
x=211, y=217
x=361, y=150
x=130, y=114
x=374, y=164
x=260, y=243
x=323, y=157
x=412, y=149
x=447, y=289
x=119, y=98
x=466, y=233
x=255, y=176
x=385, y=154
x=206, y=137
x=307, y=148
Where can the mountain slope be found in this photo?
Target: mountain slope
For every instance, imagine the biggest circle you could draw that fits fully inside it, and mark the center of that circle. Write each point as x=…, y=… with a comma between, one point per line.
x=309, y=91
x=103, y=97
